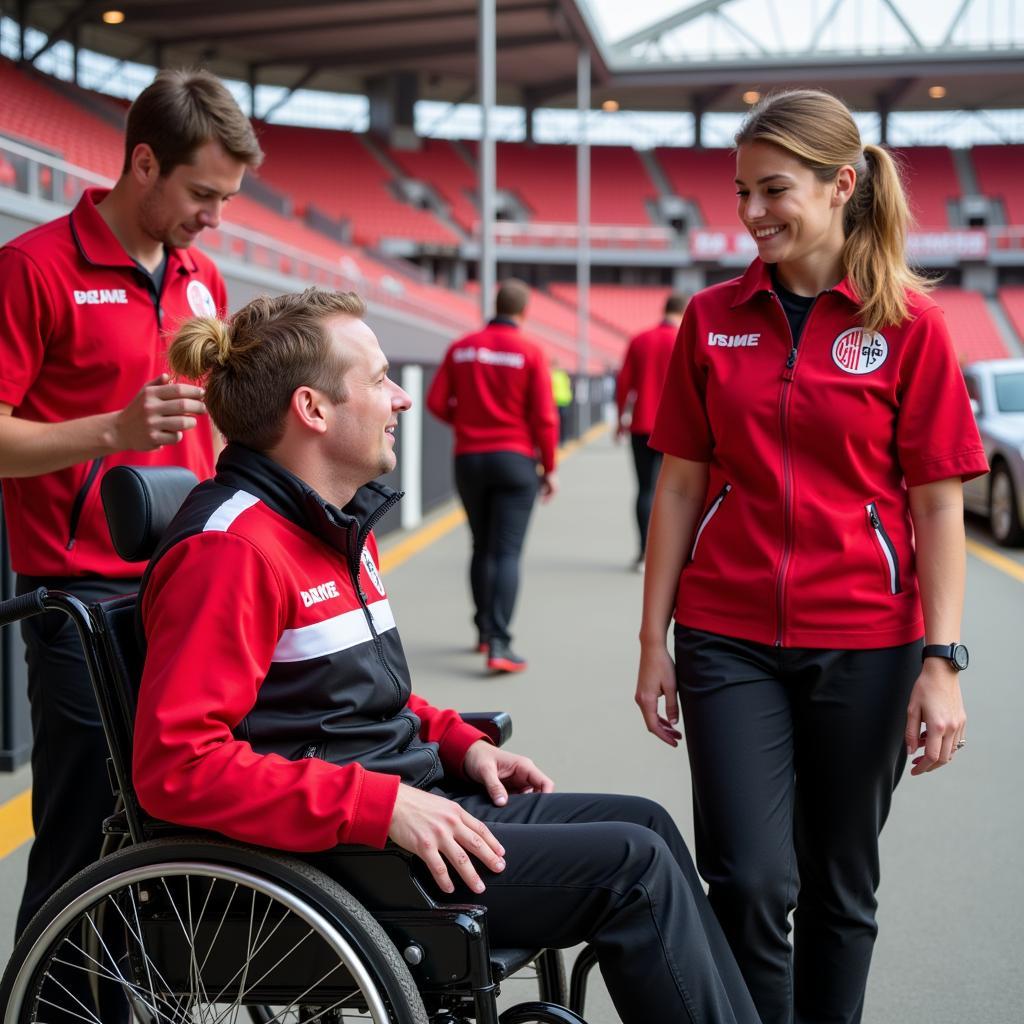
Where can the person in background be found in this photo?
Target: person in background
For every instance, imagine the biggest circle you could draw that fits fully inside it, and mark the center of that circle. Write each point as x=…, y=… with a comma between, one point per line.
x=493, y=387
x=561, y=391
x=807, y=537
x=637, y=390
x=87, y=303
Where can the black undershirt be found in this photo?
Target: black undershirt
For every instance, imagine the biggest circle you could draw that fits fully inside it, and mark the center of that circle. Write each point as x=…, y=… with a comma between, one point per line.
x=795, y=306
x=154, y=278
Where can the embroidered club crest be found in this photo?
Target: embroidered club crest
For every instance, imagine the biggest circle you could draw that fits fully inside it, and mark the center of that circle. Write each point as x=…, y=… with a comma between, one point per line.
x=371, y=571
x=858, y=351
x=200, y=301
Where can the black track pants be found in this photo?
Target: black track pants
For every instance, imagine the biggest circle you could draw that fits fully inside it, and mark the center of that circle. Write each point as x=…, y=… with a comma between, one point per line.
x=794, y=755
x=647, y=463
x=612, y=870
x=71, y=792
x=498, y=490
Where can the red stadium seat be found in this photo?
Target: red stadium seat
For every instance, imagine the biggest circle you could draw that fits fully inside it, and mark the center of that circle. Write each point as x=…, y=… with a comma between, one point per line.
x=998, y=171
x=975, y=333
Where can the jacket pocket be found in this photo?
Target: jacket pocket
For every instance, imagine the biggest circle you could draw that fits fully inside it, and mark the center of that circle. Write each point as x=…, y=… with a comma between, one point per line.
x=79, y=503
x=712, y=511
x=886, y=547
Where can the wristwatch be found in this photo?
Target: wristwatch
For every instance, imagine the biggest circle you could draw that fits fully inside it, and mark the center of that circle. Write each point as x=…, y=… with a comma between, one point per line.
x=955, y=654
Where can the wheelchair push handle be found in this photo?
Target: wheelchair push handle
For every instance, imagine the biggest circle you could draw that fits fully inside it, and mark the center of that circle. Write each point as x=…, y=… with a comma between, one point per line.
x=23, y=606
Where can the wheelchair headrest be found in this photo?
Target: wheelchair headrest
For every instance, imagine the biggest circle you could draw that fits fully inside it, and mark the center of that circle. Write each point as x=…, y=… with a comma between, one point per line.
x=140, y=502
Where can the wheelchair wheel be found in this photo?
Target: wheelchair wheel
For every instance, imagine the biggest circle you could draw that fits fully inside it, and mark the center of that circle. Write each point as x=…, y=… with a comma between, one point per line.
x=176, y=931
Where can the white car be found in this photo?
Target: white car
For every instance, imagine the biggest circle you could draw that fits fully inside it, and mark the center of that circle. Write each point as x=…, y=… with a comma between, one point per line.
x=996, y=389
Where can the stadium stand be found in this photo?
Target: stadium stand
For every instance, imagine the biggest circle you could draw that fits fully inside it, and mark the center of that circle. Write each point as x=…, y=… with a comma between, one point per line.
x=975, y=333
x=626, y=308
x=335, y=173
x=1011, y=298
x=932, y=183
x=33, y=112
x=339, y=175
x=553, y=325
x=544, y=179
x=703, y=176
x=998, y=172
x=451, y=176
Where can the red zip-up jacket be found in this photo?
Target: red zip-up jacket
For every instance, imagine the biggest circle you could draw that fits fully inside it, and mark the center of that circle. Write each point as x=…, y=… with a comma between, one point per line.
x=806, y=539
x=81, y=333
x=643, y=374
x=275, y=704
x=494, y=388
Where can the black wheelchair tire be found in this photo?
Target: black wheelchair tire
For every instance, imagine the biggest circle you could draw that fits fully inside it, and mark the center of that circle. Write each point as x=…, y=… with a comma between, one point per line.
x=316, y=901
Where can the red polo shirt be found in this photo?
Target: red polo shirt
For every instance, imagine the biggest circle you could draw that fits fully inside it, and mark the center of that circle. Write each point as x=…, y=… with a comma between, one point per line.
x=806, y=538
x=643, y=374
x=495, y=389
x=80, y=334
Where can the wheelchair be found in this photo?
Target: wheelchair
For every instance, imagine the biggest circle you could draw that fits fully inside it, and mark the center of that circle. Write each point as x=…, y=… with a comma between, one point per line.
x=172, y=926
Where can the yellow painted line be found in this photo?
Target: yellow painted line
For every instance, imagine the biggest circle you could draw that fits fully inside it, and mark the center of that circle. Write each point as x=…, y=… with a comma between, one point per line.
x=423, y=537
x=16, y=814
x=15, y=822
x=996, y=560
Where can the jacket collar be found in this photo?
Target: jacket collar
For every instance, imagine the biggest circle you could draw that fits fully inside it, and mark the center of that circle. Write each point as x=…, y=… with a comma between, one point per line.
x=291, y=497
x=503, y=321
x=98, y=245
x=757, y=280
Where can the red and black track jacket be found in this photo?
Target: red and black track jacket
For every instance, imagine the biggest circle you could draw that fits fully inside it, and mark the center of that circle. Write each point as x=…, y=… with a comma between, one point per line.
x=643, y=373
x=495, y=389
x=806, y=539
x=275, y=704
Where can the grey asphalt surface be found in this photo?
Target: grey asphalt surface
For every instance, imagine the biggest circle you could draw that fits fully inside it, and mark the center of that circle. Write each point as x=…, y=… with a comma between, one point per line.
x=951, y=945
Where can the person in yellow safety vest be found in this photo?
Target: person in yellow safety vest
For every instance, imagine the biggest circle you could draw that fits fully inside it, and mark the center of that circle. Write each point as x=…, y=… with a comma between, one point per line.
x=561, y=389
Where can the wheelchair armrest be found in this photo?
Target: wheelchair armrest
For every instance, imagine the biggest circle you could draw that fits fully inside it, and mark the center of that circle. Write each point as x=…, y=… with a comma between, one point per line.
x=495, y=725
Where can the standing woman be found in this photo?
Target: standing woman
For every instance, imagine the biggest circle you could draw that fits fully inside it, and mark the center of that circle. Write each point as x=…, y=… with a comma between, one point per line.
x=807, y=534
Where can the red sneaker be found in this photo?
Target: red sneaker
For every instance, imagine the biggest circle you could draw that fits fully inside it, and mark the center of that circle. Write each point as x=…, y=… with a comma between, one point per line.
x=500, y=658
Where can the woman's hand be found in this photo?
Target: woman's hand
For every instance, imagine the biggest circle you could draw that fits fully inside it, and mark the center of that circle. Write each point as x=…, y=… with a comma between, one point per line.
x=936, y=707
x=656, y=680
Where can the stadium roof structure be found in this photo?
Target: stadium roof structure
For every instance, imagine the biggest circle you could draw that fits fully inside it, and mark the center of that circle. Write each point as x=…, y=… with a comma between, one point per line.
x=702, y=57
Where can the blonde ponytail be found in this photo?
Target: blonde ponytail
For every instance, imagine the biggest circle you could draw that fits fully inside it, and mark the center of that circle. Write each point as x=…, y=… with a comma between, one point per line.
x=876, y=221
x=200, y=345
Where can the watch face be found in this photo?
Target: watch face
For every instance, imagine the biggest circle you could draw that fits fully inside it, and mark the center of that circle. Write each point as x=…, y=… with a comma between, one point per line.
x=960, y=657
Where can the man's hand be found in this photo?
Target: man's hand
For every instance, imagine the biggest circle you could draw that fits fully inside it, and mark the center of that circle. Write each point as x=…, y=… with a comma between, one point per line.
x=159, y=414
x=548, y=486
x=500, y=772
x=437, y=830
x=937, y=706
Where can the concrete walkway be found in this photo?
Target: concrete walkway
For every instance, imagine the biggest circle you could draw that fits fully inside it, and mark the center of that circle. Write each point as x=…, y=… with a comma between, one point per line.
x=952, y=895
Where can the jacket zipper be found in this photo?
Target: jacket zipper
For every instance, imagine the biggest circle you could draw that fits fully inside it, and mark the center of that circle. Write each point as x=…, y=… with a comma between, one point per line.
x=708, y=516
x=887, y=547
x=788, y=374
x=79, y=503
x=353, y=569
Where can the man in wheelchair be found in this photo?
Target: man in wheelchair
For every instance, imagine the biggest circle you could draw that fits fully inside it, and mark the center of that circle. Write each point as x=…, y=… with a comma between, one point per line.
x=275, y=706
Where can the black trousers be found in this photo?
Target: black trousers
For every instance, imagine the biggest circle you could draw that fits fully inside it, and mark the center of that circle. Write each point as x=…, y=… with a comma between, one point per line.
x=614, y=871
x=647, y=463
x=71, y=792
x=794, y=755
x=498, y=490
